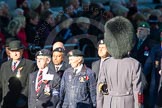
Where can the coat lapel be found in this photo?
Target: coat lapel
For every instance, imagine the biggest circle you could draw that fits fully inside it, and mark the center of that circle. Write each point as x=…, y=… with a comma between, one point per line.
x=34, y=82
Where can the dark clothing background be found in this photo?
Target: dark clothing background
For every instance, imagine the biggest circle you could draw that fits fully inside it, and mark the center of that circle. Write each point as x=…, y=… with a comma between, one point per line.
x=142, y=53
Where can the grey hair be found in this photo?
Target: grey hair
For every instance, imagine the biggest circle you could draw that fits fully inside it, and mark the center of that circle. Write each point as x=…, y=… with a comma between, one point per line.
x=13, y=27
x=21, y=19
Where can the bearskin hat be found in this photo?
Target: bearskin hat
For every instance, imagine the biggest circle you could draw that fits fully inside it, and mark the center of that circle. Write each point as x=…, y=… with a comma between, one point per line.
x=119, y=36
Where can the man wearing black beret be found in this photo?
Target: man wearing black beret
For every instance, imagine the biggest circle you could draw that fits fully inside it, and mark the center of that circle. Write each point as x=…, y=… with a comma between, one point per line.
x=78, y=84
x=58, y=63
x=103, y=54
x=44, y=83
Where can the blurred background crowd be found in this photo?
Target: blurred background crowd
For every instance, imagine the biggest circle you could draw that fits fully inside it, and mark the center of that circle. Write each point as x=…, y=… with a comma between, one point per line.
x=79, y=24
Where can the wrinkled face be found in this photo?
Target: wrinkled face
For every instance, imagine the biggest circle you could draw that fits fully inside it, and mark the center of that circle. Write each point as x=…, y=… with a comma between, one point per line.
x=57, y=57
x=102, y=51
x=74, y=61
x=16, y=55
x=142, y=33
x=42, y=61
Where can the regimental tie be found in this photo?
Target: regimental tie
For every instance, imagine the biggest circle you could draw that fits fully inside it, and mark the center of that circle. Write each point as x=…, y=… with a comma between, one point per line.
x=14, y=66
x=39, y=81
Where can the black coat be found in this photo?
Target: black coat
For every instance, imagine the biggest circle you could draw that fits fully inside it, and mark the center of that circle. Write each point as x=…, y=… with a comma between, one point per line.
x=142, y=53
x=60, y=72
x=26, y=66
x=96, y=68
x=43, y=100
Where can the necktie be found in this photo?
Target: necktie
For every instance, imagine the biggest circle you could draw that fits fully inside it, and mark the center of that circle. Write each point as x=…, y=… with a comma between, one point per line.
x=14, y=66
x=74, y=73
x=139, y=43
x=57, y=68
x=39, y=81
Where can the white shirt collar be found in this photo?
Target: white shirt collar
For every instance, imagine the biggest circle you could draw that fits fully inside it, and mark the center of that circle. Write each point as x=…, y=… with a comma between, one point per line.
x=79, y=68
x=60, y=65
x=45, y=70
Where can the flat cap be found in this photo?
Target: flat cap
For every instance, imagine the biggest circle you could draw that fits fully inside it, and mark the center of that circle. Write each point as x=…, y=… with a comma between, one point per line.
x=59, y=49
x=43, y=52
x=75, y=52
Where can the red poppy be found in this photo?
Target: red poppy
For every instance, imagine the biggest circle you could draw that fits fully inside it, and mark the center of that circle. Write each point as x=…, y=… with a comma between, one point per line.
x=146, y=48
x=87, y=78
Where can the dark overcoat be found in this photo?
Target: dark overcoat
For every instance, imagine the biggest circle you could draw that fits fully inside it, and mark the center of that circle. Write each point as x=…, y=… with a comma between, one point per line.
x=25, y=66
x=43, y=99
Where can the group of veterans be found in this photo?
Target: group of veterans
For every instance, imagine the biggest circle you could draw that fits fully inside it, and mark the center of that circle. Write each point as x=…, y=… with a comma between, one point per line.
x=59, y=80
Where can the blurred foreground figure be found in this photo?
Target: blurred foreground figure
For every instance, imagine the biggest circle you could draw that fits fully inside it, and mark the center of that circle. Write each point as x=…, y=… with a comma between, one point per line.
x=122, y=73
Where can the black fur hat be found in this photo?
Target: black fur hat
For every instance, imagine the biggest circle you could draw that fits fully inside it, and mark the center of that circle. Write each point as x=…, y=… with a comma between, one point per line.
x=119, y=36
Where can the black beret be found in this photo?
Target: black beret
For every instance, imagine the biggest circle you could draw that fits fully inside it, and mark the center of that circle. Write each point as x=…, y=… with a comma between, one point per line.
x=75, y=52
x=43, y=52
x=100, y=42
x=59, y=49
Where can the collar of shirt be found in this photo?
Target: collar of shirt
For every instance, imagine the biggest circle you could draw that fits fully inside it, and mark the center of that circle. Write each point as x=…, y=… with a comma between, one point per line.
x=45, y=70
x=103, y=59
x=142, y=39
x=17, y=63
x=79, y=68
x=59, y=66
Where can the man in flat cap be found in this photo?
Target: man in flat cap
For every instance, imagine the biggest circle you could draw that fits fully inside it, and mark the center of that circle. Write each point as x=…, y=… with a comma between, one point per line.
x=103, y=54
x=122, y=73
x=44, y=83
x=18, y=67
x=78, y=84
x=58, y=64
